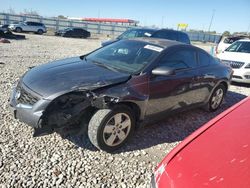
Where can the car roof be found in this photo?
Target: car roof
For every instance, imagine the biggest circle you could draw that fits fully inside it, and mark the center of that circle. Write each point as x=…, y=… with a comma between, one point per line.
x=171, y=30
x=74, y=28
x=144, y=28
x=220, y=150
x=245, y=40
x=164, y=43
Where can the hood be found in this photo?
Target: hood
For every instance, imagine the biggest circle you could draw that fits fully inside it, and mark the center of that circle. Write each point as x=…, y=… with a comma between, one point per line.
x=70, y=74
x=235, y=56
x=220, y=150
x=107, y=42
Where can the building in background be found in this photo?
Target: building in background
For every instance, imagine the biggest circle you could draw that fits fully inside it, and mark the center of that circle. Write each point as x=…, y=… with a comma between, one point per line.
x=109, y=21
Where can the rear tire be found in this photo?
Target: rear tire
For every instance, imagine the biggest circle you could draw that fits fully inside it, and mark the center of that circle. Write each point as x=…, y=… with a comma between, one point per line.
x=216, y=98
x=109, y=129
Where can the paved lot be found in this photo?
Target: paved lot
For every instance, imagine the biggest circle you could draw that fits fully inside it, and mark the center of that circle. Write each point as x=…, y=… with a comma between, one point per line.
x=51, y=161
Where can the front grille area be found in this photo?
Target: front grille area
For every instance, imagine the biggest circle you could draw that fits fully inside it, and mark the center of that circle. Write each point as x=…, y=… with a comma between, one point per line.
x=234, y=64
x=238, y=77
x=26, y=97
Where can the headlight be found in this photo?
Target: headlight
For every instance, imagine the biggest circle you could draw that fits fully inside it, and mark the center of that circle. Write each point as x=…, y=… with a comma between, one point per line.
x=247, y=66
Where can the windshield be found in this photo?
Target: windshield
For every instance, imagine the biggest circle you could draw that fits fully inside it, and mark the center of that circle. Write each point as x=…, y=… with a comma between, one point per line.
x=239, y=46
x=125, y=56
x=132, y=33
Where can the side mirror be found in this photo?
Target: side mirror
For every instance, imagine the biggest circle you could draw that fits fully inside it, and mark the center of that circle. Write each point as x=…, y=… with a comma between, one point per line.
x=163, y=71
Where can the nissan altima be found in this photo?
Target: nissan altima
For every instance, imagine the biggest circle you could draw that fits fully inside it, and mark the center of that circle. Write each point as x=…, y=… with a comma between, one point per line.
x=112, y=90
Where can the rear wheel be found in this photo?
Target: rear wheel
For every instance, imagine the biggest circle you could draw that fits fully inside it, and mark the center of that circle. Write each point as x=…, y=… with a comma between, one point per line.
x=18, y=29
x=216, y=98
x=109, y=129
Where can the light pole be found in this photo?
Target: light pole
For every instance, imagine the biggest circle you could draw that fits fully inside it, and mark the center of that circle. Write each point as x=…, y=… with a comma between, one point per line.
x=211, y=21
x=248, y=29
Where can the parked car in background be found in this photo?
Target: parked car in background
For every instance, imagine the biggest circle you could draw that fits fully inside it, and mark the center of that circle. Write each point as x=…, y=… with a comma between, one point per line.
x=171, y=35
x=238, y=57
x=106, y=92
x=225, y=42
x=216, y=155
x=155, y=33
x=4, y=27
x=73, y=32
x=131, y=33
x=27, y=26
x=7, y=34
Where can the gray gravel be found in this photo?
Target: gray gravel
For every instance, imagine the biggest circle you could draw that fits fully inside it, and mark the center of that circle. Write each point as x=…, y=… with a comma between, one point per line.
x=50, y=161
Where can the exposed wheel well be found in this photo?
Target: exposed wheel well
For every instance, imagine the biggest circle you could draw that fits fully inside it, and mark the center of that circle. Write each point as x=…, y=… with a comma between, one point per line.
x=225, y=84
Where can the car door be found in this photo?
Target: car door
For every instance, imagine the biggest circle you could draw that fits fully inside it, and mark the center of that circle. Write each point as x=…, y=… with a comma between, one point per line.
x=26, y=26
x=170, y=93
x=207, y=74
x=76, y=32
x=80, y=33
x=69, y=33
x=30, y=26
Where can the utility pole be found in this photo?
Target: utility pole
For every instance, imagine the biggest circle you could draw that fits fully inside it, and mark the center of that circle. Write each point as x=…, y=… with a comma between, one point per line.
x=248, y=29
x=162, y=20
x=211, y=21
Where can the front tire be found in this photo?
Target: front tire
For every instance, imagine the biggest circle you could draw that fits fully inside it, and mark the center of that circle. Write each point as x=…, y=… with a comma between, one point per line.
x=216, y=98
x=109, y=129
x=18, y=30
x=40, y=31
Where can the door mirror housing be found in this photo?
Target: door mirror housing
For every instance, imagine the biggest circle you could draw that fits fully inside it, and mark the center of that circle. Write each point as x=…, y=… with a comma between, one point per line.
x=163, y=71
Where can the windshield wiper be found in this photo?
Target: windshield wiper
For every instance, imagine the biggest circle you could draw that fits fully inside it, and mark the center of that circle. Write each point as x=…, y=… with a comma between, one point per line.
x=83, y=57
x=105, y=66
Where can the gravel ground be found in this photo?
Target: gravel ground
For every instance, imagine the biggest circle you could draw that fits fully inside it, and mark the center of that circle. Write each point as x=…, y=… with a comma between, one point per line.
x=51, y=161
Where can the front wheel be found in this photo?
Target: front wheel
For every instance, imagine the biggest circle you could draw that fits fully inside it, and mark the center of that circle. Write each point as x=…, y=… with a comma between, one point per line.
x=18, y=30
x=109, y=129
x=40, y=31
x=216, y=98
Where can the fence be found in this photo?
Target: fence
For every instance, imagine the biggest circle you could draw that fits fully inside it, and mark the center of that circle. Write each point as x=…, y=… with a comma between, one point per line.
x=98, y=28
x=203, y=37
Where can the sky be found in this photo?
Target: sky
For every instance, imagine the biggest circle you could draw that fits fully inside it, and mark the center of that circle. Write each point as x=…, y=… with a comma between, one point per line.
x=229, y=15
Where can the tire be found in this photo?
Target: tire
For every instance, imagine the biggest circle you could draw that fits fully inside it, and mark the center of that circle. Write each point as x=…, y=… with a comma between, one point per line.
x=107, y=134
x=18, y=30
x=216, y=98
x=40, y=31
x=1, y=33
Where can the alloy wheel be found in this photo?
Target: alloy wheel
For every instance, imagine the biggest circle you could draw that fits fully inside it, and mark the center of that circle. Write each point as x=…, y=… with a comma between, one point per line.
x=217, y=98
x=117, y=129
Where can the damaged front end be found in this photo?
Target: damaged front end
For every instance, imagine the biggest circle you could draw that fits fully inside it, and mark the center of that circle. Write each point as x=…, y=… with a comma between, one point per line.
x=71, y=112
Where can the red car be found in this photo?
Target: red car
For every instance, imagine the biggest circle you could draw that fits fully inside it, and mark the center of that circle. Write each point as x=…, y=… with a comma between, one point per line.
x=216, y=155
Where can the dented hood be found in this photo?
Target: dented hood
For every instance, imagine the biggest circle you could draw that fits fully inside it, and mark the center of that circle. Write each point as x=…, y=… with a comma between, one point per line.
x=70, y=74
